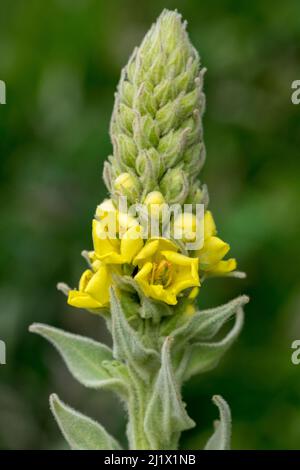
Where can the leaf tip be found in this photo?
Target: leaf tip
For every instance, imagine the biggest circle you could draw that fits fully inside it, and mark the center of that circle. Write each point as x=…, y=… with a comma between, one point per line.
x=243, y=299
x=34, y=328
x=63, y=287
x=53, y=400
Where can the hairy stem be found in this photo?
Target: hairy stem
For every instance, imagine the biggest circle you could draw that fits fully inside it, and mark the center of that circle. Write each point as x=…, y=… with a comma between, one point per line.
x=136, y=415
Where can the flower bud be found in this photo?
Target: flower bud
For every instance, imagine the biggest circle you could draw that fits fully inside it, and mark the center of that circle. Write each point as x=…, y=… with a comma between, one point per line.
x=127, y=185
x=103, y=209
x=174, y=186
x=197, y=194
x=149, y=167
x=158, y=109
x=172, y=145
x=145, y=132
x=125, y=149
x=185, y=227
x=144, y=100
x=155, y=197
x=154, y=202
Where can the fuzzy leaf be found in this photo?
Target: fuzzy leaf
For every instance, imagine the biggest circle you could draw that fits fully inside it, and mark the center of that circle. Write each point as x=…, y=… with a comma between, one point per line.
x=83, y=356
x=127, y=345
x=166, y=410
x=220, y=440
x=205, y=324
x=205, y=356
x=155, y=310
x=81, y=432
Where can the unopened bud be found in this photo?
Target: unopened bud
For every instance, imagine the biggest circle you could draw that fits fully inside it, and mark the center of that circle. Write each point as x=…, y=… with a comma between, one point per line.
x=127, y=185
x=185, y=227
x=175, y=186
x=156, y=123
x=154, y=202
x=103, y=209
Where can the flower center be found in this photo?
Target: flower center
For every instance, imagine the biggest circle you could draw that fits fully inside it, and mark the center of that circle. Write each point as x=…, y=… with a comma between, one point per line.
x=162, y=273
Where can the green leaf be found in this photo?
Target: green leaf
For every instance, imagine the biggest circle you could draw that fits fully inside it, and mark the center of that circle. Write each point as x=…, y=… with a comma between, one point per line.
x=166, y=416
x=204, y=356
x=127, y=345
x=84, y=357
x=81, y=432
x=220, y=440
x=153, y=309
x=205, y=324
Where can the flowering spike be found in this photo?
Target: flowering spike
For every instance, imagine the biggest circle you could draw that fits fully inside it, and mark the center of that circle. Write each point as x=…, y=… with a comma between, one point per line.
x=156, y=127
x=141, y=277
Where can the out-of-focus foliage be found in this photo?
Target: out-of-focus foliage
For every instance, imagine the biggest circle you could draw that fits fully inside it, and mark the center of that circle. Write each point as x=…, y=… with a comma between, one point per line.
x=61, y=61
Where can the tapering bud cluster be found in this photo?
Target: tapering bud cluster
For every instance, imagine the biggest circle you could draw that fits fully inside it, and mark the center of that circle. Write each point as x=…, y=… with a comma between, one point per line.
x=156, y=126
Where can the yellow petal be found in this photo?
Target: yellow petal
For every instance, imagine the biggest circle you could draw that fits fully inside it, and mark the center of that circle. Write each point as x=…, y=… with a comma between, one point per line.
x=213, y=251
x=143, y=273
x=185, y=277
x=106, y=207
x=181, y=260
x=223, y=267
x=210, y=229
x=105, y=248
x=131, y=244
x=85, y=278
x=99, y=284
x=146, y=252
x=158, y=292
x=82, y=300
x=166, y=244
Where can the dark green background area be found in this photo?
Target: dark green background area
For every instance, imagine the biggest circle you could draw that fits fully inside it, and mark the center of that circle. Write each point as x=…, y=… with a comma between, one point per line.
x=61, y=60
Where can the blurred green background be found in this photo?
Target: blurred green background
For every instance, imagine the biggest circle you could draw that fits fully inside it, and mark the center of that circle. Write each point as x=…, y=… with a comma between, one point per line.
x=61, y=60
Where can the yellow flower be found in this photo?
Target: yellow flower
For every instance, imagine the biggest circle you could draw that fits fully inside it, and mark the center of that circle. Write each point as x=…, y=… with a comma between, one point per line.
x=112, y=219
x=163, y=273
x=106, y=207
x=213, y=251
x=112, y=250
x=93, y=291
x=117, y=236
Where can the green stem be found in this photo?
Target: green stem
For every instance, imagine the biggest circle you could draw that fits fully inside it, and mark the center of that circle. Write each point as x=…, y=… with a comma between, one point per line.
x=136, y=415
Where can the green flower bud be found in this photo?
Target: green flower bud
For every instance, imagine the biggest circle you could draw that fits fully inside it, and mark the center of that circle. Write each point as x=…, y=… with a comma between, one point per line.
x=125, y=149
x=150, y=168
x=146, y=132
x=156, y=126
x=172, y=145
x=175, y=186
x=144, y=100
x=194, y=158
